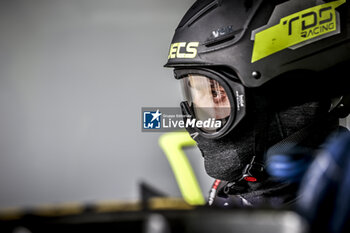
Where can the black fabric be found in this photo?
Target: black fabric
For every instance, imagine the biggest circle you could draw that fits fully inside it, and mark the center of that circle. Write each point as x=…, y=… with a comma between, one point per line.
x=225, y=158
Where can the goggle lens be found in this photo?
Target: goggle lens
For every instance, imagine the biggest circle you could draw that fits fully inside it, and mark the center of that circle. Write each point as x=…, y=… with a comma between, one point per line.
x=207, y=98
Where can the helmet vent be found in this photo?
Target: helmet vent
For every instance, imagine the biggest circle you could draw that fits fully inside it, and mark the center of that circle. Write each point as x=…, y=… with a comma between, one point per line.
x=222, y=38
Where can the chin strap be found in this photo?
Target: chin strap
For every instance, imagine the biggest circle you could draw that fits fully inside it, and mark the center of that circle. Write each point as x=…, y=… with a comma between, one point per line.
x=253, y=172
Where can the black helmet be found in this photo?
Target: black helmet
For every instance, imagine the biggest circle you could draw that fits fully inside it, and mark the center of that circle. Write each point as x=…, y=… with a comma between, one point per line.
x=291, y=43
x=261, y=40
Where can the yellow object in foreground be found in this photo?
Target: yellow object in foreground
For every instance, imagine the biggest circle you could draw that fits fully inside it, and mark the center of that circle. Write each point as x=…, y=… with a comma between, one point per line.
x=172, y=144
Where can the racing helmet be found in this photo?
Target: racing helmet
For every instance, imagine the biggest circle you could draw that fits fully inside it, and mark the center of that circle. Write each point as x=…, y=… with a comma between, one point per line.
x=222, y=48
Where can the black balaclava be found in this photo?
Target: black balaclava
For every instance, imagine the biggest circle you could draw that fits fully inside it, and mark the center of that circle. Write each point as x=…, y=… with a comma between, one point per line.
x=266, y=125
x=289, y=111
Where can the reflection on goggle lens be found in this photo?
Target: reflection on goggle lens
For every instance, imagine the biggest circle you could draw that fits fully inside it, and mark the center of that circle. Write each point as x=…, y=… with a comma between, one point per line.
x=207, y=98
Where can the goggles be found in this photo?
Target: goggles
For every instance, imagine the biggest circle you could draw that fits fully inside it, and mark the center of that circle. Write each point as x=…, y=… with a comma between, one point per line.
x=215, y=99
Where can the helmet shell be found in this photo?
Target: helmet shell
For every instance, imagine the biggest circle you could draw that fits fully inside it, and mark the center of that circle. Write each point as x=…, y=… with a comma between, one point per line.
x=264, y=40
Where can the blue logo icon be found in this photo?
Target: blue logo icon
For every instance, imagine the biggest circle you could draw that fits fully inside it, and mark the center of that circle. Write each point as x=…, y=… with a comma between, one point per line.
x=152, y=120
